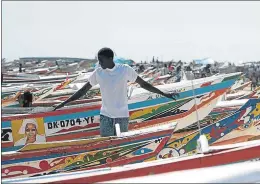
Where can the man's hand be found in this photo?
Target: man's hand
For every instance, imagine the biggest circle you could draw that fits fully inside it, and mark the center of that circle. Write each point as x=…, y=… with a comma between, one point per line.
x=82, y=91
x=153, y=89
x=57, y=106
x=171, y=95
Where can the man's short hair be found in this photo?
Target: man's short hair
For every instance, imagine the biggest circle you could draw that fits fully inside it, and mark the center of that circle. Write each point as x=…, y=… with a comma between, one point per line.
x=107, y=52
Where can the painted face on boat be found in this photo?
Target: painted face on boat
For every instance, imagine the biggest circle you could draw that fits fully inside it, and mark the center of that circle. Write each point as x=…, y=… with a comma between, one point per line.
x=104, y=61
x=31, y=131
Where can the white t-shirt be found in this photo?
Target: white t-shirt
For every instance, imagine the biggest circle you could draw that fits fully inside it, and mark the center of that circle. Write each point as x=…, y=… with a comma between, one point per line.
x=113, y=87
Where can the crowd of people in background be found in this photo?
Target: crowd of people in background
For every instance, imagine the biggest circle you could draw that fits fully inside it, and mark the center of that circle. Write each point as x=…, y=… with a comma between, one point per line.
x=177, y=69
x=191, y=72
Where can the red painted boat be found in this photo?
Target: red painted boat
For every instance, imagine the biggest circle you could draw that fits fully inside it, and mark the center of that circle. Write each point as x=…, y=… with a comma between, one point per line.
x=218, y=156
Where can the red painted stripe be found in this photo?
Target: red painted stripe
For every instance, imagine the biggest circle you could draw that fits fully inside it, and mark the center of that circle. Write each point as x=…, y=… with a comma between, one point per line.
x=49, y=101
x=7, y=144
x=53, y=113
x=206, y=84
x=72, y=136
x=207, y=161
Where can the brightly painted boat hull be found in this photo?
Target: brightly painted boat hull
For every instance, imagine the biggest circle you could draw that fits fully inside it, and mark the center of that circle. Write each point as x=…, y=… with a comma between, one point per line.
x=87, y=154
x=245, y=117
x=47, y=121
x=230, y=155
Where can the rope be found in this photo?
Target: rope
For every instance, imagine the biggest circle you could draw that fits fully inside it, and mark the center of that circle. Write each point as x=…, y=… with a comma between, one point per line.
x=196, y=108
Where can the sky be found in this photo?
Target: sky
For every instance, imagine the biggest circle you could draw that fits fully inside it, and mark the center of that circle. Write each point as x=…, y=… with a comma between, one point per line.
x=224, y=31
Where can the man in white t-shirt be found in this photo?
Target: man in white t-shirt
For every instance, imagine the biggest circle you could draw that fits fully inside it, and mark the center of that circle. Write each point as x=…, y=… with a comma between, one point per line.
x=113, y=79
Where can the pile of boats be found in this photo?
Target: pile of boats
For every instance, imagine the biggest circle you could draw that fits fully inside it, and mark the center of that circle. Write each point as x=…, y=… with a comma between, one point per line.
x=42, y=145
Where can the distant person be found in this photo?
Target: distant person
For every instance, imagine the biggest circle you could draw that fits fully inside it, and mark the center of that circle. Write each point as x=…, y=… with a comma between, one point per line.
x=165, y=70
x=214, y=68
x=206, y=72
x=141, y=68
x=180, y=63
x=254, y=80
x=189, y=73
x=170, y=67
x=250, y=71
x=203, y=73
x=157, y=65
x=258, y=72
x=179, y=73
x=113, y=79
x=208, y=69
x=20, y=67
x=188, y=69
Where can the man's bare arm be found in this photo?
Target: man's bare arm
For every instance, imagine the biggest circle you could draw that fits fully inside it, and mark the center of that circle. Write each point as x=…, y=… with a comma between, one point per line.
x=153, y=89
x=82, y=91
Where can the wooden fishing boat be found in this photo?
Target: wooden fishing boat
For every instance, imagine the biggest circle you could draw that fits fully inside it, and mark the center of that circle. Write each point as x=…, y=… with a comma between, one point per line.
x=41, y=79
x=47, y=158
x=249, y=131
x=223, y=109
x=57, y=97
x=180, y=147
x=82, y=119
x=237, y=95
x=56, y=100
x=95, y=91
x=245, y=117
x=254, y=94
x=14, y=89
x=19, y=76
x=49, y=90
x=38, y=95
x=49, y=102
x=232, y=154
x=10, y=98
x=8, y=92
x=187, y=146
x=86, y=126
x=80, y=122
x=240, y=87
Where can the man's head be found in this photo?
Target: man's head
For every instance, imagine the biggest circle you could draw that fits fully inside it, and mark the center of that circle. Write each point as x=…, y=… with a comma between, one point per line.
x=105, y=57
